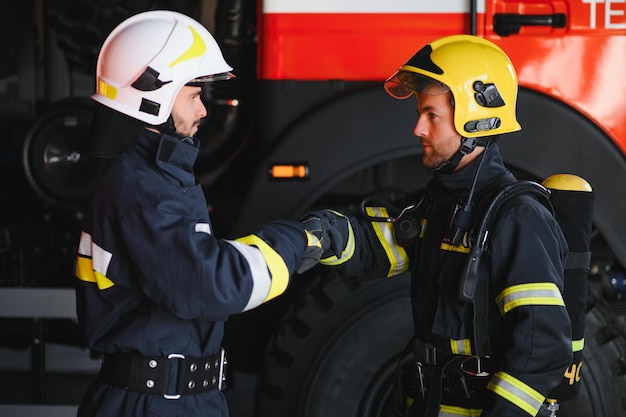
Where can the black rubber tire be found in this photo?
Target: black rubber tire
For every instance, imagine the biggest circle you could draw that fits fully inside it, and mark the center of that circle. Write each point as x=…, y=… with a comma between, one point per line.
x=54, y=154
x=337, y=347
x=603, y=390
x=336, y=351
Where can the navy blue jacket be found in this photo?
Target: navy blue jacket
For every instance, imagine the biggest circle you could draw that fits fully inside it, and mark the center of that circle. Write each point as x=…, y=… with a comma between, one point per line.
x=153, y=279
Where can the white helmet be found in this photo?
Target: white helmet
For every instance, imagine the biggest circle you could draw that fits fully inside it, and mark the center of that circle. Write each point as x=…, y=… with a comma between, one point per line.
x=149, y=57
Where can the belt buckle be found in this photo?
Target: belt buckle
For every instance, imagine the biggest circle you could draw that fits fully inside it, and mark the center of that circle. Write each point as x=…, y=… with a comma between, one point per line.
x=173, y=356
x=221, y=378
x=420, y=375
x=430, y=354
x=425, y=352
x=477, y=366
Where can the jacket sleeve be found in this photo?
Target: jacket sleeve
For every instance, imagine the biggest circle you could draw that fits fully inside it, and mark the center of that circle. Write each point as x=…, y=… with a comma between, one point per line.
x=371, y=249
x=170, y=254
x=528, y=253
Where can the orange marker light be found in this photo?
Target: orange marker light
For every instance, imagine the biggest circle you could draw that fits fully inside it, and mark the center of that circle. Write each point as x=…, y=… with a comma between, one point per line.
x=289, y=171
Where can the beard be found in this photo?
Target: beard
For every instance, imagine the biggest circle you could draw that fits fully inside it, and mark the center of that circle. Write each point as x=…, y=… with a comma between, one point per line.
x=435, y=160
x=437, y=153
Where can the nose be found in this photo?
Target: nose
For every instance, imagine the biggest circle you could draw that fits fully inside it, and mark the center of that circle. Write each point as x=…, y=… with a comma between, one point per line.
x=201, y=109
x=420, y=128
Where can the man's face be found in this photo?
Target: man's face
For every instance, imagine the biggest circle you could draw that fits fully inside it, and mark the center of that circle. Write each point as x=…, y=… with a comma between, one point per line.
x=435, y=128
x=188, y=111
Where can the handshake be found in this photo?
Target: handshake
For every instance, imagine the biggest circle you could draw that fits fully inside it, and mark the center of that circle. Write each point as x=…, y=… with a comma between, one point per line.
x=330, y=239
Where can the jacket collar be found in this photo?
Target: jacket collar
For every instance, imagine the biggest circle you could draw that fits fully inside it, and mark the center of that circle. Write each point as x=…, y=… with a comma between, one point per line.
x=171, y=154
x=492, y=169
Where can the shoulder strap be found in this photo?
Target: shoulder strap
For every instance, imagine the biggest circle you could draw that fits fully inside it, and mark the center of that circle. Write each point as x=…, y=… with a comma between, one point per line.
x=474, y=279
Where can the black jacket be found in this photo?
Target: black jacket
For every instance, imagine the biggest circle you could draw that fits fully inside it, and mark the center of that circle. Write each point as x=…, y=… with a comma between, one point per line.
x=529, y=327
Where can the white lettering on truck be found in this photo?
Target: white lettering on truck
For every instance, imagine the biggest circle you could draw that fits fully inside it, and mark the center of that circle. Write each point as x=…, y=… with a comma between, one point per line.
x=610, y=12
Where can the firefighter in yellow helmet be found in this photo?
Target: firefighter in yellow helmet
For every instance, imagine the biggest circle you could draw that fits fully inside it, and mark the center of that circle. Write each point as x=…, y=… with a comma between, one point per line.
x=475, y=75
x=154, y=285
x=499, y=351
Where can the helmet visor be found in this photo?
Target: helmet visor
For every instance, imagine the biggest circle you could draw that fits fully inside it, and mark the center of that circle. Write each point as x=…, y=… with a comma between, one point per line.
x=403, y=84
x=198, y=81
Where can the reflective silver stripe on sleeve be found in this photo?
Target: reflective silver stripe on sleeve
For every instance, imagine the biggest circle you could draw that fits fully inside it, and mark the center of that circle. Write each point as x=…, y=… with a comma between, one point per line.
x=100, y=257
x=260, y=274
x=461, y=346
x=92, y=262
x=517, y=392
x=84, y=245
x=203, y=228
x=541, y=293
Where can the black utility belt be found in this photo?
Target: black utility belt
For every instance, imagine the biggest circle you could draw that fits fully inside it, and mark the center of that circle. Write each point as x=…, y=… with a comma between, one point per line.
x=454, y=374
x=171, y=376
x=428, y=354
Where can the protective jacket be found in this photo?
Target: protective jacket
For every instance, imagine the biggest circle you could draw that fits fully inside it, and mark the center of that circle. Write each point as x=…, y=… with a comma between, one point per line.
x=153, y=279
x=529, y=328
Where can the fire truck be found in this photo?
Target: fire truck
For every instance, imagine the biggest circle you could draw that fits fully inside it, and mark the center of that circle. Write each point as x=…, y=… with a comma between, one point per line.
x=306, y=124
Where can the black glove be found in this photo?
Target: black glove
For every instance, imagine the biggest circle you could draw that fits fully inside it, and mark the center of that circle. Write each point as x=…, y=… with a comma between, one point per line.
x=331, y=228
x=311, y=255
x=332, y=231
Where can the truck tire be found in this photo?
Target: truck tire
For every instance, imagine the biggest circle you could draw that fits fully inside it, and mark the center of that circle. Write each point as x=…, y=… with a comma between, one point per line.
x=603, y=390
x=336, y=349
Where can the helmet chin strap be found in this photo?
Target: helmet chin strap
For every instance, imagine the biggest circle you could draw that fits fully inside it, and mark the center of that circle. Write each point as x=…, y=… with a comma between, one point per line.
x=467, y=146
x=167, y=127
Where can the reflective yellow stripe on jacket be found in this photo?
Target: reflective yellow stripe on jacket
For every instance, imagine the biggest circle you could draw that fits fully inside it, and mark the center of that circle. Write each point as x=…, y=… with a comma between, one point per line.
x=541, y=293
x=269, y=272
x=92, y=262
x=461, y=346
x=454, y=411
x=398, y=259
x=517, y=392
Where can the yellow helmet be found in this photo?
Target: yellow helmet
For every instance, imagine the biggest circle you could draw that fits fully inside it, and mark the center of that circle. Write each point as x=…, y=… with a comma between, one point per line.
x=478, y=74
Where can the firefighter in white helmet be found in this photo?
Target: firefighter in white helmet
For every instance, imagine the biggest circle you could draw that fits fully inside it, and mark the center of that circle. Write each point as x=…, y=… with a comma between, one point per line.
x=154, y=285
x=496, y=349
